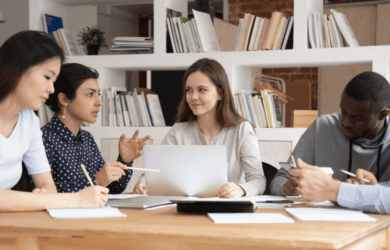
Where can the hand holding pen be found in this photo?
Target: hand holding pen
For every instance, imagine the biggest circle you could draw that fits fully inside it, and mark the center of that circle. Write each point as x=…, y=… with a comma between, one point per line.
x=361, y=177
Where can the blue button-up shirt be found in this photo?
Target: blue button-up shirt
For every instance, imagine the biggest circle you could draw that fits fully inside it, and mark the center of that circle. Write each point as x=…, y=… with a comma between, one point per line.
x=66, y=152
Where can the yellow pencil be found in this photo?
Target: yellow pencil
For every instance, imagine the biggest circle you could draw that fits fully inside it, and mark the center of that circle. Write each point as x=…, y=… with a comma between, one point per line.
x=86, y=174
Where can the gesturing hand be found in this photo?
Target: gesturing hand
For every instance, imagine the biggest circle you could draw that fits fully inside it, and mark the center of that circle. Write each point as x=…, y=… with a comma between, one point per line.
x=111, y=171
x=140, y=188
x=231, y=190
x=131, y=149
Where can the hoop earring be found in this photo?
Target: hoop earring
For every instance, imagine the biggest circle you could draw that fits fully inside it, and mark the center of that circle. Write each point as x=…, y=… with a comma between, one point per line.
x=63, y=116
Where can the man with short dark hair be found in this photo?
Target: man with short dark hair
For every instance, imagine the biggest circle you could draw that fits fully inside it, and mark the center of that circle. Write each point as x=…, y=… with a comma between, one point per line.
x=355, y=138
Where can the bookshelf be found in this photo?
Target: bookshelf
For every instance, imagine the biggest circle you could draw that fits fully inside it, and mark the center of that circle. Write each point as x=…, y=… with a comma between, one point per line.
x=238, y=65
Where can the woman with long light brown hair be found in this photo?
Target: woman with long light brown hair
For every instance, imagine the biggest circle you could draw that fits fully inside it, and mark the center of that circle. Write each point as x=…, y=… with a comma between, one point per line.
x=207, y=116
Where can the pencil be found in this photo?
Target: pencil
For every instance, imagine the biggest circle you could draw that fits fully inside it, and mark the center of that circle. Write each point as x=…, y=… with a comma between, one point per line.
x=295, y=165
x=86, y=174
x=353, y=175
x=143, y=169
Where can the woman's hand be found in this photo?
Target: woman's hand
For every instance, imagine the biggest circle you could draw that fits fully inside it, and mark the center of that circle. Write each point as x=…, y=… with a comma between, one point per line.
x=140, y=188
x=231, y=190
x=111, y=171
x=93, y=196
x=131, y=149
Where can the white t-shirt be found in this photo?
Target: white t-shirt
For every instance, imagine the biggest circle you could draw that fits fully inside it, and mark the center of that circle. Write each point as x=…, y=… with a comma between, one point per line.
x=24, y=144
x=242, y=151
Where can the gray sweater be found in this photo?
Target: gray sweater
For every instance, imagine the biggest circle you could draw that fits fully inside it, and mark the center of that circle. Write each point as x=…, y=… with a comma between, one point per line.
x=323, y=144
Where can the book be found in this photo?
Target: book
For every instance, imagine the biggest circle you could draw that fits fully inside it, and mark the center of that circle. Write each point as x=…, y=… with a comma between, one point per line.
x=119, y=112
x=310, y=32
x=250, y=31
x=245, y=30
x=181, y=33
x=328, y=214
x=193, y=23
x=132, y=110
x=226, y=34
x=345, y=28
x=59, y=41
x=257, y=111
x=281, y=31
x=52, y=23
x=254, y=36
x=277, y=110
x=263, y=35
x=239, y=32
x=277, y=18
x=258, y=34
x=125, y=108
x=69, y=41
x=207, y=35
x=326, y=31
x=172, y=39
x=289, y=34
x=338, y=36
x=262, y=111
x=155, y=109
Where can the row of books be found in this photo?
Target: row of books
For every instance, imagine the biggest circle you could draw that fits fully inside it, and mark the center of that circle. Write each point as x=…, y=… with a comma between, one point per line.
x=330, y=31
x=123, y=108
x=261, y=109
x=260, y=33
x=132, y=45
x=191, y=35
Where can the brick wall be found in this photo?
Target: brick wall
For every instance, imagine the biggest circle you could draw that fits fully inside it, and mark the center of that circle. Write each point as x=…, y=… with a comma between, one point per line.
x=297, y=76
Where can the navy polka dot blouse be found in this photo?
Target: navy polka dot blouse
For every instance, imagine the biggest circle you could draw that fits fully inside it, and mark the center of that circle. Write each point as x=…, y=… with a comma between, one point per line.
x=65, y=152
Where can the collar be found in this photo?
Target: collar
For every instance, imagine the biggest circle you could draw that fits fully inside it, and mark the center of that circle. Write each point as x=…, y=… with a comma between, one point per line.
x=63, y=131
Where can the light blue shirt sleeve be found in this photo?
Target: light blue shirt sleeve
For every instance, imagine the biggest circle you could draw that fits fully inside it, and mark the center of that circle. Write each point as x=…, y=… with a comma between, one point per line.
x=368, y=198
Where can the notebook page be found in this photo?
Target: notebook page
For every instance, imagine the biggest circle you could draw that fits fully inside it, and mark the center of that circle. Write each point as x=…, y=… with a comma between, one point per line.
x=328, y=214
x=249, y=218
x=81, y=213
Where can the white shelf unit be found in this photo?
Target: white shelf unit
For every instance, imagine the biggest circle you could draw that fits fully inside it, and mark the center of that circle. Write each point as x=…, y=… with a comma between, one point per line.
x=237, y=64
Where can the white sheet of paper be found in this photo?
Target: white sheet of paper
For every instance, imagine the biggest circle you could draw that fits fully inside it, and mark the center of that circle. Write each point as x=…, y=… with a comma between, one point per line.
x=328, y=214
x=82, y=213
x=249, y=218
x=121, y=196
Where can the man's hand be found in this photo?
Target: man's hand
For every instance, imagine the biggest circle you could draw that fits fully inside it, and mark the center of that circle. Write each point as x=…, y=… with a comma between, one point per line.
x=139, y=188
x=314, y=184
x=362, y=174
x=290, y=187
x=111, y=171
x=231, y=190
x=131, y=149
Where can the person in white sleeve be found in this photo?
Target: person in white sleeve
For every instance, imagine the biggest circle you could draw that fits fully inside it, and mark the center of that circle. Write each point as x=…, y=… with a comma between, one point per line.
x=207, y=116
x=30, y=62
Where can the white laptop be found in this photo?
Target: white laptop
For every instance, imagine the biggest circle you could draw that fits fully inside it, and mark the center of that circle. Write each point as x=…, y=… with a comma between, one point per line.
x=190, y=170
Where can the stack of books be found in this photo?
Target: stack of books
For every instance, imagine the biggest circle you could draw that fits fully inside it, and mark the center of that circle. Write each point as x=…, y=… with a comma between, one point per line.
x=191, y=36
x=330, y=31
x=261, y=109
x=132, y=45
x=260, y=33
x=140, y=107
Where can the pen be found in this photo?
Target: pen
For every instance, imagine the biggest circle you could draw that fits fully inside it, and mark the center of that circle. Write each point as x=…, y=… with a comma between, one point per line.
x=143, y=169
x=353, y=175
x=294, y=165
x=86, y=174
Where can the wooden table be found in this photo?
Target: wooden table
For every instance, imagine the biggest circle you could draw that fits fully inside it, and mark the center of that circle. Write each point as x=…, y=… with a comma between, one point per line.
x=164, y=228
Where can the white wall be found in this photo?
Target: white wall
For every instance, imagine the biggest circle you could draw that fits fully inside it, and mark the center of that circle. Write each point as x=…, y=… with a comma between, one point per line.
x=16, y=14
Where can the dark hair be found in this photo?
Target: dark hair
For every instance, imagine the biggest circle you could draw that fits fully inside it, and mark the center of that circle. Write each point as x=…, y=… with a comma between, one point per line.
x=22, y=51
x=226, y=111
x=372, y=87
x=71, y=77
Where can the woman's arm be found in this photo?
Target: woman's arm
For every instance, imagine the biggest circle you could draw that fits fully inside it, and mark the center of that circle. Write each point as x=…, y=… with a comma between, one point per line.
x=94, y=196
x=45, y=181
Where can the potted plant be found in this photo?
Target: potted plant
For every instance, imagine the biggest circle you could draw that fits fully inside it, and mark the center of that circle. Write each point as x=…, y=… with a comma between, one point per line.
x=92, y=38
